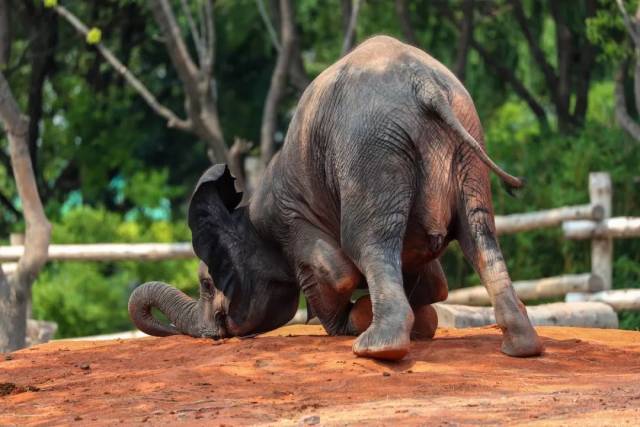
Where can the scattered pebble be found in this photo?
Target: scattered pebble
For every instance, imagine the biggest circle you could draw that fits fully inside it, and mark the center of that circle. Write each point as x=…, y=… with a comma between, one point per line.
x=386, y=374
x=8, y=357
x=77, y=418
x=85, y=366
x=310, y=420
x=7, y=388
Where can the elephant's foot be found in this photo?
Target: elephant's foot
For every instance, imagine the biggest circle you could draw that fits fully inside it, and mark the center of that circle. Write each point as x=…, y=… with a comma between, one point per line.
x=386, y=339
x=520, y=339
x=522, y=344
x=424, y=326
x=426, y=323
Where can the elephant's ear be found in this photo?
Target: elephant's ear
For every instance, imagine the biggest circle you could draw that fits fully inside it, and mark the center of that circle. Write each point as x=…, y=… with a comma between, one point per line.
x=213, y=199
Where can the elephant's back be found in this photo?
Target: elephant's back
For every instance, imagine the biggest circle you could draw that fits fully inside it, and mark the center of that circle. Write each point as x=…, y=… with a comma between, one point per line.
x=382, y=80
x=352, y=109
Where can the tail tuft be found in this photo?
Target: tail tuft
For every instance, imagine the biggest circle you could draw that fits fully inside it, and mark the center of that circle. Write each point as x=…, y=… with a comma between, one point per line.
x=514, y=190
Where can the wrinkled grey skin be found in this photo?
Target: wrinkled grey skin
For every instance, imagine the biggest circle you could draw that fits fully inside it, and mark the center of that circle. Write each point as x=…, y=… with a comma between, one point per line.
x=383, y=165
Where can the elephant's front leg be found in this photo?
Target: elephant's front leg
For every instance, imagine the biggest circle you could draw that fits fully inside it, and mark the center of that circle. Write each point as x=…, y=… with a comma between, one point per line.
x=480, y=246
x=327, y=278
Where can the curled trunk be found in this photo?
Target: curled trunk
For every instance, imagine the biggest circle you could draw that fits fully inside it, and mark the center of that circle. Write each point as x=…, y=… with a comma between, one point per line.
x=182, y=311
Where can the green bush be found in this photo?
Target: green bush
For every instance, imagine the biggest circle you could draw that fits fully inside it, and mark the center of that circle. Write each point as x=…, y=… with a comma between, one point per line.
x=87, y=298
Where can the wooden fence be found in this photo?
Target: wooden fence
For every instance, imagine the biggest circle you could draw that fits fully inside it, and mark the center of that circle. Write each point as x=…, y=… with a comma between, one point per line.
x=590, y=221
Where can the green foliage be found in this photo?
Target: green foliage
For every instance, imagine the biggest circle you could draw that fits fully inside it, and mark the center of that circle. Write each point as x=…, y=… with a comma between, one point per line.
x=607, y=31
x=87, y=298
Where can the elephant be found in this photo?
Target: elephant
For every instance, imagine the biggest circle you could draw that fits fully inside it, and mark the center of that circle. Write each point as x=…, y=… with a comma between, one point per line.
x=382, y=166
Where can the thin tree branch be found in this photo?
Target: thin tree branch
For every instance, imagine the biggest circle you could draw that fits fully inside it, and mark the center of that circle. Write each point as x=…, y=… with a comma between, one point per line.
x=466, y=32
x=297, y=73
x=173, y=120
x=5, y=34
x=536, y=51
x=199, y=91
x=519, y=88
x=349, y=35
x=9, y=205
x=22, y=60
x=561, y=92
x=587, y=55
x=268, y=24
x=178, y=52
x=402, y=11
x=44, y=36
x=506, y=74
x=629, y=24
x=6, y=161
x=211, y=37
x=195, y=35
x=278, y=82
x=636, y=79
x=622, y=115
x=237, y=152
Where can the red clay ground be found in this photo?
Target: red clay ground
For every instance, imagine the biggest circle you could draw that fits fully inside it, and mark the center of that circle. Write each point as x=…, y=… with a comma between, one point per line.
x=296, y=375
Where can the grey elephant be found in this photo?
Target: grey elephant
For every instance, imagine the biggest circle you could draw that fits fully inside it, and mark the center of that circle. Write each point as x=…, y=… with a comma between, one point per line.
x=383, y=165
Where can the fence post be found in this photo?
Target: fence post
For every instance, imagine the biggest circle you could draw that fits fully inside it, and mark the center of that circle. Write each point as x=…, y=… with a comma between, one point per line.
x=17, y=239
x=601, y=248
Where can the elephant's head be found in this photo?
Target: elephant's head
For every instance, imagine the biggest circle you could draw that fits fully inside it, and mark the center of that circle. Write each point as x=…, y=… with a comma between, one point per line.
x=246, y=285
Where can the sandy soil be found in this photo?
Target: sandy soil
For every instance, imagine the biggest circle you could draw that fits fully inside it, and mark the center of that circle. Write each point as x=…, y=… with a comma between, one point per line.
x=297, y=376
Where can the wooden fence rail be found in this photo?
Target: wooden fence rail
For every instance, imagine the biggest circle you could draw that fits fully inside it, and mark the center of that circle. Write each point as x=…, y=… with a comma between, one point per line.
x=509, y=224
x=530, y=290
x=619, y=299
x=620, y=228
x=107, y=252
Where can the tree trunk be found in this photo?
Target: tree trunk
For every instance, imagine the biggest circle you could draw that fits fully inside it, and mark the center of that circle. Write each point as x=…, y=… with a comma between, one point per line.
x=622, y=115
x=44, y=36
x=402, y=10
x=584, y=67
x=278, y=83
x=561, y=94
x=15, y=291
x=466, y=32
x=5, y=34
x=297, y=73
x=350, y=29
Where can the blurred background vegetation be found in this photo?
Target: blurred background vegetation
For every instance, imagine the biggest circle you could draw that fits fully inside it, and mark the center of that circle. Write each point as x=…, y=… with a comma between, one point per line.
x=110, y=170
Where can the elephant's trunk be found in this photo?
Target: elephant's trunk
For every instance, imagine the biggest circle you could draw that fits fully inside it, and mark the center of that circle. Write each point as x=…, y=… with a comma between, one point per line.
x=181, y=310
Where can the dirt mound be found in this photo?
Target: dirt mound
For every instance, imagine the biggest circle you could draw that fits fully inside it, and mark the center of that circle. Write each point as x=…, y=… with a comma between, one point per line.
x=298, y=376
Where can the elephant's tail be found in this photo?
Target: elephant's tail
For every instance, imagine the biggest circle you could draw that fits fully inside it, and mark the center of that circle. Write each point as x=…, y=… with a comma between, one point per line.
x=443, y=109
